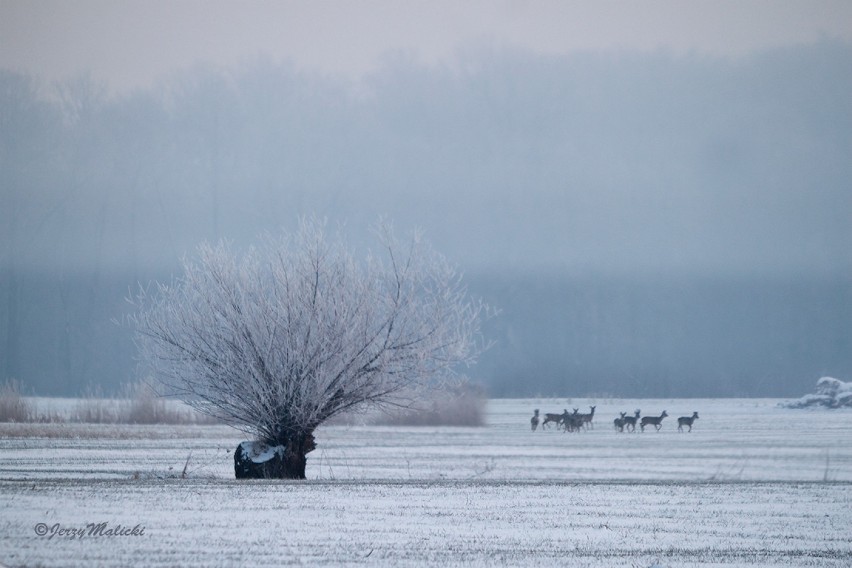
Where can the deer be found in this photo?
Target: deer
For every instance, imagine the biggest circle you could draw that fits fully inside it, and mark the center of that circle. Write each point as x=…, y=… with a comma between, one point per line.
x=630, y=421
x=656, y=421
x=557, y=418
x=534, y=420
x=572, y=422
x=619, y=422
x=686, y=421
x=586, y=419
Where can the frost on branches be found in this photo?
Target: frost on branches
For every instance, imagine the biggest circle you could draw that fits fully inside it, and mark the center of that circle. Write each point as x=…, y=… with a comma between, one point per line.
x=295, y=331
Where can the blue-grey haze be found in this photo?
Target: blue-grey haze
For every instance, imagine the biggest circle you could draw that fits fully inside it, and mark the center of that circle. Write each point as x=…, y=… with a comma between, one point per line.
x=650, y=225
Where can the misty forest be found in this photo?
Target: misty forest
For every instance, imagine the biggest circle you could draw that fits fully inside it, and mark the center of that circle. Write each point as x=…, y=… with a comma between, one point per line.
x=646, y=224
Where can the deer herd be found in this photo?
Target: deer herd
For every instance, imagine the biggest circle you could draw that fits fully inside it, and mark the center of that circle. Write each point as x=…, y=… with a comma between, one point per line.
x=575, y=421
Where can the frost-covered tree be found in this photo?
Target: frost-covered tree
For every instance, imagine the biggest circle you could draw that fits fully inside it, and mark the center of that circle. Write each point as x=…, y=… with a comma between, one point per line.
x=295, y=331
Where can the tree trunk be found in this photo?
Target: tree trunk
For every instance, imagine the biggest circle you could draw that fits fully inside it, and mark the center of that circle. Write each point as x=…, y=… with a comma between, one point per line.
x=286, y=460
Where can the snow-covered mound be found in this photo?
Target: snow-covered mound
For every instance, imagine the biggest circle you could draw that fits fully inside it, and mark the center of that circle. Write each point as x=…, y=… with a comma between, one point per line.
x=830, y=393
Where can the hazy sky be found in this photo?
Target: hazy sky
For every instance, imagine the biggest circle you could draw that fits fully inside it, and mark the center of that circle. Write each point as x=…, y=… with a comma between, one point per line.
x=129, y=43
x=712, y=191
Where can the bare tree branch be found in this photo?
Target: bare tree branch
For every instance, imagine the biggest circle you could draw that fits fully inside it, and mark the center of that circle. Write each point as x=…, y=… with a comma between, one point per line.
x=279, y=339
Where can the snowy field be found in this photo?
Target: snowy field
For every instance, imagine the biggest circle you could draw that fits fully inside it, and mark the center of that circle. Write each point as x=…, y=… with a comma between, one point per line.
x=751, y=485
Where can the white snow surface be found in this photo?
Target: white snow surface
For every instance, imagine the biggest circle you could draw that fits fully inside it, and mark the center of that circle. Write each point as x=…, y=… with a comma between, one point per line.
x=259, y=452
x=752, y=485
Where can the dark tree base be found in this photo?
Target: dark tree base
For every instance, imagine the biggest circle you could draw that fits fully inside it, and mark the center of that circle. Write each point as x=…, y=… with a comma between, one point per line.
x=258, y=460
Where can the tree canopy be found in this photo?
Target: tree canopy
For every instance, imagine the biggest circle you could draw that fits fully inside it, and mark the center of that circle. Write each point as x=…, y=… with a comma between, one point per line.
x=293, y=331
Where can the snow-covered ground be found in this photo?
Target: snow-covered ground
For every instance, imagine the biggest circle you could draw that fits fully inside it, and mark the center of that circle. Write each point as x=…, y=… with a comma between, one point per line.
x=830, y=393
x=752, y=485
x=733, y=440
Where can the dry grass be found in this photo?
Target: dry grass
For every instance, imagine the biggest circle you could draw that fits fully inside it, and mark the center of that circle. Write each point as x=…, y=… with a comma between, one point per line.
x=462, y=405
x=94, y=408
x=144, y=406
x=138, y=404
x=80, y=431
x=13, y=406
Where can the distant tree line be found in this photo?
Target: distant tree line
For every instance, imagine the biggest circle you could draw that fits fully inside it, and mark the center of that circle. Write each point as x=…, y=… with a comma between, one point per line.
x=537, y=174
